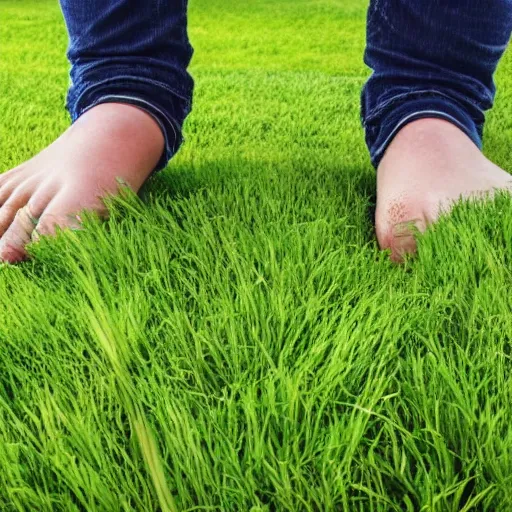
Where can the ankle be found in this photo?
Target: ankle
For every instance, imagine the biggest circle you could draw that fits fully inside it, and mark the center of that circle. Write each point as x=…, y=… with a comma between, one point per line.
x=124, y=122
x=122, y=137
x=433, y=133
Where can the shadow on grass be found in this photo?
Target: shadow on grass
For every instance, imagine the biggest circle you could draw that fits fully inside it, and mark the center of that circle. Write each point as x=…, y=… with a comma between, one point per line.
x=183, y=180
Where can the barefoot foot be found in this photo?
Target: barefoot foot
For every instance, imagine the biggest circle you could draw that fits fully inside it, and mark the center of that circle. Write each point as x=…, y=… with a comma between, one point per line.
x=429, y=165
x=109, y=142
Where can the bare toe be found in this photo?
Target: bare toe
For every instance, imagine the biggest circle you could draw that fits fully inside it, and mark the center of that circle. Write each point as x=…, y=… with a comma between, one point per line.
x=12, y=245
x=63, y=212
x=18, y=199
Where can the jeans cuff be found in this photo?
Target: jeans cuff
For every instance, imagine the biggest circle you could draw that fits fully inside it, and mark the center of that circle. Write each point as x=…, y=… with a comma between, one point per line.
x=156, y=99
x=385, y=125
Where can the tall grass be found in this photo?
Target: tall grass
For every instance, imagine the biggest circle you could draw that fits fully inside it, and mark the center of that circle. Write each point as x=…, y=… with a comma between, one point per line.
x=235, y=340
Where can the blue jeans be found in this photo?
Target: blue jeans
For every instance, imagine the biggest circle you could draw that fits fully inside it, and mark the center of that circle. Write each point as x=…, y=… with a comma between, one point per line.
x=131, y=51
x=430, y=58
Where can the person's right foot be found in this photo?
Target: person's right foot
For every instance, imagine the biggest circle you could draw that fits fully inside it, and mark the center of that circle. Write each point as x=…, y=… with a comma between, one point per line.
x=110, y=141
x=429, y=165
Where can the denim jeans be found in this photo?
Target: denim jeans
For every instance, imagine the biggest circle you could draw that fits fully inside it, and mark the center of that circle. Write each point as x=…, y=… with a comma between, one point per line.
x=131, y=51
x=430, y=58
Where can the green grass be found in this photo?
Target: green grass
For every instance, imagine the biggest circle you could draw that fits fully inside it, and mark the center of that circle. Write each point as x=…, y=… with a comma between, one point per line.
x=236, y=341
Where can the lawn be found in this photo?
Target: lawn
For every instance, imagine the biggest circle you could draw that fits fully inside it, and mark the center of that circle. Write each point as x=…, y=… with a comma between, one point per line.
x=235, y=340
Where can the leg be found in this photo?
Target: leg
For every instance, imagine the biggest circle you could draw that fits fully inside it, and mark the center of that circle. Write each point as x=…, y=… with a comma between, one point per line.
x=423, y=107
x=129, y=97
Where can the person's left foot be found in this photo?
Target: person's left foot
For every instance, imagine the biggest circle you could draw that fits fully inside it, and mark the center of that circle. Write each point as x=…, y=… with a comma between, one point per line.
x=109, y=142
x=429, y=165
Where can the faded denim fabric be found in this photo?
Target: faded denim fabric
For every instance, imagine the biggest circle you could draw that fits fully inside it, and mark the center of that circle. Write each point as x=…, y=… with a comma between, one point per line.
x=131, y=51
x=431, y=58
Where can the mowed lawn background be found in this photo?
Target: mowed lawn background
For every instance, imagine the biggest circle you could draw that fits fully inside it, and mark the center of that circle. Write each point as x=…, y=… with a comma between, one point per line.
x=236, y=341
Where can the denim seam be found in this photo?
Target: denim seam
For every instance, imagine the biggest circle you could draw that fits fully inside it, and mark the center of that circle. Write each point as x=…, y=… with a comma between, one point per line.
x=404, y=121
x=377, y=111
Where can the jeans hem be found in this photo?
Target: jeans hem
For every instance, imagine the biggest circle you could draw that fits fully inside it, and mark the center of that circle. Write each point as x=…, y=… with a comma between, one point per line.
x=413, y=109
